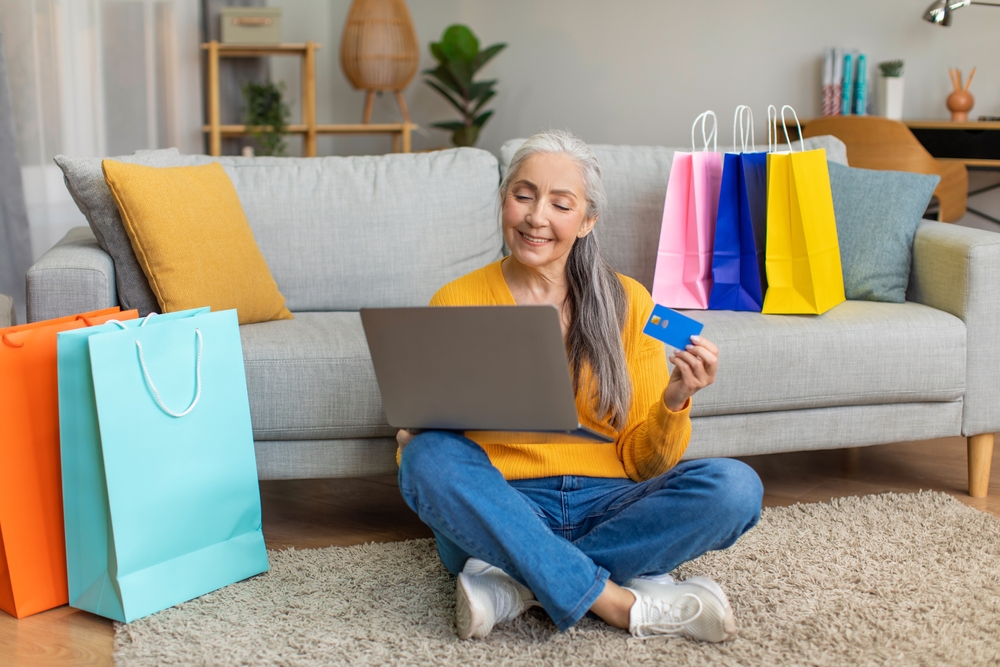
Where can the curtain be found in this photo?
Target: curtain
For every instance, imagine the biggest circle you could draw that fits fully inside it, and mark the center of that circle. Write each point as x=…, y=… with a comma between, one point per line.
x=15, y=241
x=96, y=78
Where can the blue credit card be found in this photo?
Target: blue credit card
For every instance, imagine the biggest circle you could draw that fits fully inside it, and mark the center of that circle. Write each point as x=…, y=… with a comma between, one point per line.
x=671, y=327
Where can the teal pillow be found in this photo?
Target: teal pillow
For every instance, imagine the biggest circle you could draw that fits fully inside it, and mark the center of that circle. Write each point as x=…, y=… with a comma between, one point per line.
x=877, y=217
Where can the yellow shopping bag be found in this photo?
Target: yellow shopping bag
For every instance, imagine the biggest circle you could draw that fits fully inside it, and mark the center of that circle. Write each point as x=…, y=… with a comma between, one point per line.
x=804, y=275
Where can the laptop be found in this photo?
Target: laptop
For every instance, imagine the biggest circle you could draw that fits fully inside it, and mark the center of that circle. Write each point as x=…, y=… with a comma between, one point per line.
x=499, y=374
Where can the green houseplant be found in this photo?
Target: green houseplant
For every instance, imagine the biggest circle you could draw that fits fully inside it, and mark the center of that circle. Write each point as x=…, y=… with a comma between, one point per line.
x=459, y=58
x=266, y=114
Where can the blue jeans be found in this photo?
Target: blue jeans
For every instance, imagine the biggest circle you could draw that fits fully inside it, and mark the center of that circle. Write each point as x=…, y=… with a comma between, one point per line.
x=564, y=537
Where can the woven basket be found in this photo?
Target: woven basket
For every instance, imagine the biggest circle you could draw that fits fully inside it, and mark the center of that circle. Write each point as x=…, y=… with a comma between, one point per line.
x=378, y=50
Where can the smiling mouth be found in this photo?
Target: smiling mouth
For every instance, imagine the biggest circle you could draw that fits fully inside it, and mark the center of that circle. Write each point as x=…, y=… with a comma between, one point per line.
x=531, y=240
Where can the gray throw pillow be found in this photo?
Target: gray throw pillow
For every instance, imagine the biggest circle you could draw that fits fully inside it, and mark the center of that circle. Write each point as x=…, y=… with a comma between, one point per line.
x=85, y=182
x=877, y=217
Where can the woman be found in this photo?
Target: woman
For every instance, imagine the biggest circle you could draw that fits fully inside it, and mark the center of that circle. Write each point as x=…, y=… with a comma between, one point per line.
x=578, y=528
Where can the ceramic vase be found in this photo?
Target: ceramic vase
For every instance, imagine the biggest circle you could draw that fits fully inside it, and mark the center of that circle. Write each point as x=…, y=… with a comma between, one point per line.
x=892, y=97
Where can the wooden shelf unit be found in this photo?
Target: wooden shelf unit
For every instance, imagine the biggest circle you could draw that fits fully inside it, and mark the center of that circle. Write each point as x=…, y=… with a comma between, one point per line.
x=401, y=132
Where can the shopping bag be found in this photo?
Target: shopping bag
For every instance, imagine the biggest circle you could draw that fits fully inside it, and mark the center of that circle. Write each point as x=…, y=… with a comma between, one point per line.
x=161, y=474
x=683, y=273
x=804, y=273
x=738, y=272
x=32, y=551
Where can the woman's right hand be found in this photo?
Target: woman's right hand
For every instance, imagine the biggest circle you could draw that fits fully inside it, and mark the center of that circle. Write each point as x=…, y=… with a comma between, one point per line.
x=403, y=437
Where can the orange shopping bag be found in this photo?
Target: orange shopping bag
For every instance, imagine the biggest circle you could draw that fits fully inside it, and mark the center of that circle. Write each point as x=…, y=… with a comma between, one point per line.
x=32, y=540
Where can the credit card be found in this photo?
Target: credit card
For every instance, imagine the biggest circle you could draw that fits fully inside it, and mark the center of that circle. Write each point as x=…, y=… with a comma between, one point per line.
x=671, y=327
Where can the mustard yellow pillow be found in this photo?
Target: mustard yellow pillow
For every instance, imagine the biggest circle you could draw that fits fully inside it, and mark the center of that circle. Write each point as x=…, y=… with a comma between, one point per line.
x=193, y=241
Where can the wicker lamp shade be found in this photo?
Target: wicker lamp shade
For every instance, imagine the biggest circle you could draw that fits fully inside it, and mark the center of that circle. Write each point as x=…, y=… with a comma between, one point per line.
x=378, y=50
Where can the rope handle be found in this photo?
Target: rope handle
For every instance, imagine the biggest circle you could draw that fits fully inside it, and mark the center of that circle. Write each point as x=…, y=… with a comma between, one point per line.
x=742, y=112
x=710, y=136
x=156, y=393
x=145, y=321
x=10, y=343
x=802, y=142
x=772, y=128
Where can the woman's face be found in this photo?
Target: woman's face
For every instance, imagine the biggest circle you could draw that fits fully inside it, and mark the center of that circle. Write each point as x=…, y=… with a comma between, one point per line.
x=545, y=210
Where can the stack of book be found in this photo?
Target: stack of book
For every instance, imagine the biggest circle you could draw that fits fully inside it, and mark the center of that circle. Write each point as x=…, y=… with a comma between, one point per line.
x=845, y=83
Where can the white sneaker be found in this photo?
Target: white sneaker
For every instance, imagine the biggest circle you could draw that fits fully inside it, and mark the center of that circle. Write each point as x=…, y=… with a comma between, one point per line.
x=485, y=596
x=696, y=608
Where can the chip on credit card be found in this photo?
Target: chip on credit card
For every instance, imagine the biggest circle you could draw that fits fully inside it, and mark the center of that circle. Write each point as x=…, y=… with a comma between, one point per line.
x=671, y=327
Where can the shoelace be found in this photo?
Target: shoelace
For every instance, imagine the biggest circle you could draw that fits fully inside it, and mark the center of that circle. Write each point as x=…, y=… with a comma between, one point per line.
x=665, y=619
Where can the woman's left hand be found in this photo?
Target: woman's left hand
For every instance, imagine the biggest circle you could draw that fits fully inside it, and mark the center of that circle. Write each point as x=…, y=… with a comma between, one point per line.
x=694, y=369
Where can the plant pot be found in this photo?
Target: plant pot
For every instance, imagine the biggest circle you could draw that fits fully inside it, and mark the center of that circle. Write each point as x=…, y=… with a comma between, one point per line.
x=892, y=97
x=465, y=136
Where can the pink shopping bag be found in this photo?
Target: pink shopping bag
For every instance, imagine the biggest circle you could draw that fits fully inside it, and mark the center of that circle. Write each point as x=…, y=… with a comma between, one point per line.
x=683, y=275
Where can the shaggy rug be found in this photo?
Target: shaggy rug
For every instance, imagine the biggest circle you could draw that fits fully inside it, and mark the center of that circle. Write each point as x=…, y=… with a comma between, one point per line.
x=878, y=580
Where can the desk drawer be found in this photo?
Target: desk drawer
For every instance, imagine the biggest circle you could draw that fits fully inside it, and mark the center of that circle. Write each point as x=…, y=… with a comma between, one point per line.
x=962, y=143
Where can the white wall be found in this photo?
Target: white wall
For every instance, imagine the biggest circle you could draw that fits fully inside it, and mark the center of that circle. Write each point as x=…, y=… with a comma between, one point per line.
x=639, y=71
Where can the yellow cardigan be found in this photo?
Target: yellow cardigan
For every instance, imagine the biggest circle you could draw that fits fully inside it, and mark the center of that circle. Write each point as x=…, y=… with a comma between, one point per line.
x=653, y=440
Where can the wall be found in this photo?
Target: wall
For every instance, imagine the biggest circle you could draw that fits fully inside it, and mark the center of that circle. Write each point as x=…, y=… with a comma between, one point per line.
x=639, y=71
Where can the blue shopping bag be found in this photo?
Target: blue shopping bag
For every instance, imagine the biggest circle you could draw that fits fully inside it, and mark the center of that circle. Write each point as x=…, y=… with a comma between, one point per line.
x=738, y=269
x=159, y=477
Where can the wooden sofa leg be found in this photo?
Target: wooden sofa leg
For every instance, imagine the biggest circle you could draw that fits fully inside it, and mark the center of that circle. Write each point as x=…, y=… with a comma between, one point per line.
x=980, y=458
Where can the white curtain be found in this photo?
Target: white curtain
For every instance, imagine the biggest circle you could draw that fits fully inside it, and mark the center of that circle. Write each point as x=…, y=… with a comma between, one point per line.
x=97, y=78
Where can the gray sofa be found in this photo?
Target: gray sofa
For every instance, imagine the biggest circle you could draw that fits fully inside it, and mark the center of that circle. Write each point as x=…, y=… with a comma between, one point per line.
x=343, y=233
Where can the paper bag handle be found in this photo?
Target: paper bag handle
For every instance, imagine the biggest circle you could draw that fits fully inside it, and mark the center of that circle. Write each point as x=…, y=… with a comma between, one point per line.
x=711, y=136
x=10, y=343
x=742, y=111
x=802, y=142
x=772, y=128
x=197, y=375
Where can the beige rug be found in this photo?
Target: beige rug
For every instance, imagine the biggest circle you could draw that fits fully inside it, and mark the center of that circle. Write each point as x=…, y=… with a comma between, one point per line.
x=878, y=580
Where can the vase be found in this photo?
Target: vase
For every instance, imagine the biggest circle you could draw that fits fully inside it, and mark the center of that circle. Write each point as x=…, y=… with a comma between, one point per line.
x=892, y=97
x=960, y=103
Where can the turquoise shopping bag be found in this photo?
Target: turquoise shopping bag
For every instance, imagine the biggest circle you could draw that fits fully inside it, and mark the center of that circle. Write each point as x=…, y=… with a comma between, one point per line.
x=159, y=476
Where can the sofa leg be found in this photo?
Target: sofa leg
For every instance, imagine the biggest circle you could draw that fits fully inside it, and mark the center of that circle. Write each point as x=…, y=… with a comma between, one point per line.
x=980, y=458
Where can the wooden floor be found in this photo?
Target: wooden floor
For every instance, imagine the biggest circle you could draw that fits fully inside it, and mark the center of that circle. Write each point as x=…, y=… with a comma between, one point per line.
x=320, y=513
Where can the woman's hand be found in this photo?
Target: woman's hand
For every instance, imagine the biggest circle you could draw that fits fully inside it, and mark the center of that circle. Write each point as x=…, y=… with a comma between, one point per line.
x=694, y=369
x=403, y=437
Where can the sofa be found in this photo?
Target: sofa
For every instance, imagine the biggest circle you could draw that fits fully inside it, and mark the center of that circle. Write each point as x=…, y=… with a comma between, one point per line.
x=342, y=233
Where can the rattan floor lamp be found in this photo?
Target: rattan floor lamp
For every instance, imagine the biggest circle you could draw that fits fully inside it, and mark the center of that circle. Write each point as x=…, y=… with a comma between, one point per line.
x=379, y=51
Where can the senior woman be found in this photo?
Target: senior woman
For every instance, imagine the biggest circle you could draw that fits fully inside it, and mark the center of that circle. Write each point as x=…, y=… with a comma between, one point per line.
x=578, y=528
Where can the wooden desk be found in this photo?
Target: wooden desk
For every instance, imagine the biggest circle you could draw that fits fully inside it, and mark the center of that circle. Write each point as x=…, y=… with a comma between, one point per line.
x=973, y=143
x=308, y=128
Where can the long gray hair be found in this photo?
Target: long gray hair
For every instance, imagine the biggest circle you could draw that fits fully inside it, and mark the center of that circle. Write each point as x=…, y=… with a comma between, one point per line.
x=597, y=301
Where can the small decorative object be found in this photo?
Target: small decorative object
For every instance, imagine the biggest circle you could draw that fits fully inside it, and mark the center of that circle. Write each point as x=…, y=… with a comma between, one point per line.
x=267, y=114
x=892, y=89
x=459, y=58
x=861, y=87
x=960, y=101
x=251, y=25
x=379, y=50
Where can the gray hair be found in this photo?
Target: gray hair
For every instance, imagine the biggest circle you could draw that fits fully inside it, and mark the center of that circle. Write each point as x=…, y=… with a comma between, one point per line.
x=597, y=301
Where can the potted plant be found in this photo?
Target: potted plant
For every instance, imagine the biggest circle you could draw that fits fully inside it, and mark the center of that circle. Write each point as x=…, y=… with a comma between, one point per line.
x=459, y=58
x=892, y=89
x=266, y=115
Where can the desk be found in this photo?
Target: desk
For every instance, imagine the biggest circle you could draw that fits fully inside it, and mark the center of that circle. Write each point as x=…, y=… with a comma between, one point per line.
x=976, y=144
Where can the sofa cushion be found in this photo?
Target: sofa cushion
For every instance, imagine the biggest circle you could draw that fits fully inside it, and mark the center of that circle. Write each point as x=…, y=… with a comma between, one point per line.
x=635, y=178
x=312, y=378
x=85, y=182
x=877, y=217
x=342, y=233
x=859, y=353
x=193, y=241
